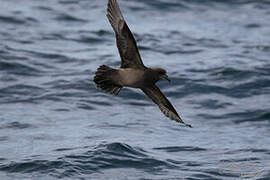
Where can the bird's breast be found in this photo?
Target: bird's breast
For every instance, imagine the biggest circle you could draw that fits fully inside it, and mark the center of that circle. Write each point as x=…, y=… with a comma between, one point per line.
x=131, y=77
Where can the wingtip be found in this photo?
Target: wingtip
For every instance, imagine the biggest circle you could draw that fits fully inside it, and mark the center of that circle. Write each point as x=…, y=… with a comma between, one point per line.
x=188, y=125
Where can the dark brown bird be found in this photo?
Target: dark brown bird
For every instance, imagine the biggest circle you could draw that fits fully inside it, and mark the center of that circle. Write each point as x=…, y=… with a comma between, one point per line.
x=132, y=72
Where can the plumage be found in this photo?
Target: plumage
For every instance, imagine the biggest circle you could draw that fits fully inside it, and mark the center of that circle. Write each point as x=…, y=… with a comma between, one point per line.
x=125, y=41
x=132, y=72
x=154, y=93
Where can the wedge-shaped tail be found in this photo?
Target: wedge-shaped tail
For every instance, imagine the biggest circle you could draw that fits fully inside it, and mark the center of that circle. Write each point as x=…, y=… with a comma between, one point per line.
x=104, y=80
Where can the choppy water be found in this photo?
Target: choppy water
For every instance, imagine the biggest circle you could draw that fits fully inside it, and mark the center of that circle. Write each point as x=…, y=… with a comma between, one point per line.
x=54, y=123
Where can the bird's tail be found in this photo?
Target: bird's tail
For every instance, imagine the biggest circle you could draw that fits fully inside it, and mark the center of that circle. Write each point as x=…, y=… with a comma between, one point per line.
x=104, y=81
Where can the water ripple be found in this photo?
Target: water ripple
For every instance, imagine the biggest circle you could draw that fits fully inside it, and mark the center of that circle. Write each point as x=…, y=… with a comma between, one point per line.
x=55, y=123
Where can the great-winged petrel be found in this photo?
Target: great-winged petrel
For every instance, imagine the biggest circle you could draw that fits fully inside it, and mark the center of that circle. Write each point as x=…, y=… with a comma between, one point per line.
x=132, y=72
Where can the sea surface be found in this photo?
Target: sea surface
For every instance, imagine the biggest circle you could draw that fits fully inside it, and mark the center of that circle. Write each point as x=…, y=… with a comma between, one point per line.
x=55, y=123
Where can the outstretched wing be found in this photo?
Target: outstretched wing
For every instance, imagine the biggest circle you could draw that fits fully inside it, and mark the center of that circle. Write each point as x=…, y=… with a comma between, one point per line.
x=126, y=43
x=163, y=103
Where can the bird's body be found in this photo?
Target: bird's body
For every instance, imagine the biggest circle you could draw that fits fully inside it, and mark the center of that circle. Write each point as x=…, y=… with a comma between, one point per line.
x=130, y=77
x=137, y=78
x=132, y=73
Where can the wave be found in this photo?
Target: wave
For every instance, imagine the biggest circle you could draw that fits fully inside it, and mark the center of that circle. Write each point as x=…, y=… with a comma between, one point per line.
x=12, y=20
x=18, y=68
x=179, y=149
x=110, y=157
x=16, y=125
x=196, y=5
x=101, y=157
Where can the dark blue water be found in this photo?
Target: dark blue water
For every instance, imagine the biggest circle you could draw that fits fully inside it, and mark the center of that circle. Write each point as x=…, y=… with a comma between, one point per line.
x=55, y=124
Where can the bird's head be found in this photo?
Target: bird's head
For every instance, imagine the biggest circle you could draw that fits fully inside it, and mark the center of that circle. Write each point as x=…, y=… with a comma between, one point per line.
x=161, y=74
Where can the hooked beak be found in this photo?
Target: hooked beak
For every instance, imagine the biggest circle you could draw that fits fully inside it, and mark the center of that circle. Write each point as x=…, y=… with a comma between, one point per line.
x=166, y=77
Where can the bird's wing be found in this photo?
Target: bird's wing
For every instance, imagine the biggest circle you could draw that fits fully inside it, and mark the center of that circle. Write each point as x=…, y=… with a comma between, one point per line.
x=154, y=93
x=126, y=43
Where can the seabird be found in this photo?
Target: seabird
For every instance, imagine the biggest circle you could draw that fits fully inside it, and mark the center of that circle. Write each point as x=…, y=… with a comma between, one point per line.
x=132, y=72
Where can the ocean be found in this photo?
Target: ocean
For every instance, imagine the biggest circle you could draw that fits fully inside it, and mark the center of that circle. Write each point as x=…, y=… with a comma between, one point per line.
x=55, y=123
